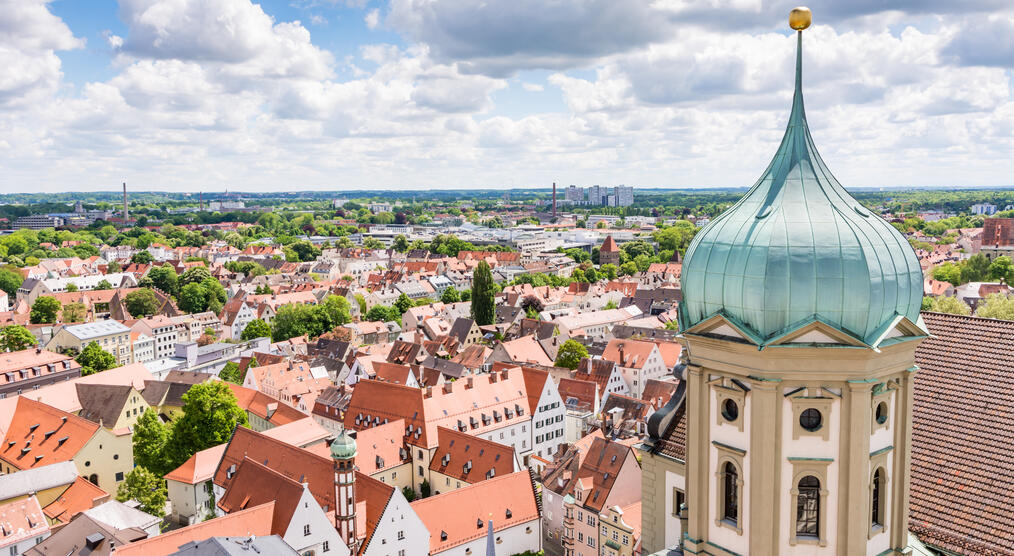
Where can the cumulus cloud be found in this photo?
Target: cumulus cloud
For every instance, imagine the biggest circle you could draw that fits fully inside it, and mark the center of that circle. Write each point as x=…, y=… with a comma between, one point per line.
x=666, y=93
x=499, y=38
x=30, y=36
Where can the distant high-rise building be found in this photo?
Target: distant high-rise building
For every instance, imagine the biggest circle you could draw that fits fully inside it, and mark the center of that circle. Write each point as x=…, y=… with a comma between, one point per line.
x=596, y=195
x=574, y=194
x=624, y=195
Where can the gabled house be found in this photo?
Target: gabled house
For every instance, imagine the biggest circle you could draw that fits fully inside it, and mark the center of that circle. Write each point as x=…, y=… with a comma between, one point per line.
x=504, y=510
x=297, y=516
x=638, y=361
x=583, y=482
x=39, y=435
x=115, y=407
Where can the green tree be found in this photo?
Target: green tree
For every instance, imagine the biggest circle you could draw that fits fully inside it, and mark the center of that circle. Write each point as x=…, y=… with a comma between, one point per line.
x=71, y=287
x=210, y=414
x=305, y=251
x=147, y=488
x=44, y=310
x=943, y=304
x=628, y=268
x=194, y=275
x=149, y=439
x=400, y=243
x=675, y=237
x=408, y=492
x=103, y=285
x=609, y=270
x=193, y=298
x=948, y=272
x=113, y=267
x=16, y=338
x=94, y=359
x=1001, y=269
x=570, y=354
x=230, y=372
x=142, y=257
x=164, y=278
x=403, y=303
x=10, y=282
x=373, y=243
x=256, y=328
x=73, y=312
x=611, y=305
x=141, y=303
x=997, y=306
x=382, y=313
x=672, y=325
x=450, y=295
x=975, y=269
x=334, y=311
x=483, y=309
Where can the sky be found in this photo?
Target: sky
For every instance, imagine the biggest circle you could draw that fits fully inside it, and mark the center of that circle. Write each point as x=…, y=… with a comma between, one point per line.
x=198, y=95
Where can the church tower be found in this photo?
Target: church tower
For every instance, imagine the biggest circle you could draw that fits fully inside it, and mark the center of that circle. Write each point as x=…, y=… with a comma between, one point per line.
x=801, y=315
x=343, y=452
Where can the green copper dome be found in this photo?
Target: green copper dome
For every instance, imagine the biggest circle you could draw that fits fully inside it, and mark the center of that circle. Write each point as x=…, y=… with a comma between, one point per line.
x=798, y=248
x=343, y=447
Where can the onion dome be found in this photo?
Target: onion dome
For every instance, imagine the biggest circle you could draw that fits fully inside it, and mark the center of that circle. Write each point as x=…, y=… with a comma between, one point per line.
x=798, y=249
x=343, y=447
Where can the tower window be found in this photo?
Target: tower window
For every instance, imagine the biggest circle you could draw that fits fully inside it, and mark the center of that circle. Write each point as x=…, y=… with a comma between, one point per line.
x=730, y=484
x=881, y=413
x=808, y=507
x=730, y=410
x=810, y=419
x=877, y=517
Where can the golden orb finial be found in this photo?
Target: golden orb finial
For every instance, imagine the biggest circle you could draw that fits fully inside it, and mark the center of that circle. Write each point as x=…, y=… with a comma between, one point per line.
x=800, y=18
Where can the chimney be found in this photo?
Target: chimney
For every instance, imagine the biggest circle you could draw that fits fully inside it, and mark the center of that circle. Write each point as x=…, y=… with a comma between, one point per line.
x=428, y=393
x=126, y=214
x=468, y=383
x=554, y=199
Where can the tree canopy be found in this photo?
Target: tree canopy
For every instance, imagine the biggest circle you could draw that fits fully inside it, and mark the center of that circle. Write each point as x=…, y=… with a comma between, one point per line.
x=44, y=310
x=147, y=488
x=256, y=328
x=483, y=290
x=570, y=354
x=141, y=303
x=16, y=338
x=94, y=359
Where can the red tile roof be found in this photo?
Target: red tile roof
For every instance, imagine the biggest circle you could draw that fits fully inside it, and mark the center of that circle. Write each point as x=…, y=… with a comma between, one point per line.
x=262, y=405
x=253, y=485
x=468, y=458
x=382, y=447
x=962, y=433
x=21, y=520
x=373, y=496
x=609, y=245
x=199, y=468
x=255, y=521
x=628, y=353
x=295, y=463
x=81, y=495
x=40, y=434
x=458, y=513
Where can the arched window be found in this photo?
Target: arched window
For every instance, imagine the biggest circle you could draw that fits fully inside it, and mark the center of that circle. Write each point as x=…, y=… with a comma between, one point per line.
x=730, y=486
x=877, y=517
x=808, y=507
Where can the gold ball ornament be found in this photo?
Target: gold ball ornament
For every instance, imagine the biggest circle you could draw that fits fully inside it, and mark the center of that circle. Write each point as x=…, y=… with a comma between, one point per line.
x=800, y=18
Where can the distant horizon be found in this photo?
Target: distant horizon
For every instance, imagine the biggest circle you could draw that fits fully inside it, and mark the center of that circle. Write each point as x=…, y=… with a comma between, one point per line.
x=465, y=190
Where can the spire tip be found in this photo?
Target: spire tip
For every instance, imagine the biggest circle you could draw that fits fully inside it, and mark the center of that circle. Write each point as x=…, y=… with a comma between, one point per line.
x=800, y=18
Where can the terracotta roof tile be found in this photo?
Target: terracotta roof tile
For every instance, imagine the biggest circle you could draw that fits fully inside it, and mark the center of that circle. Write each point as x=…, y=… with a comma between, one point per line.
x=254, y=521
x=253, y=485
x=962, y=433
x=199, y=467
x=39, y=435
x=81, y=495
x=470, y=459
x=457, y=513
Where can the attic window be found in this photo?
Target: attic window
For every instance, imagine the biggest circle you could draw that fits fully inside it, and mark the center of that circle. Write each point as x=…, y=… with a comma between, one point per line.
x=48, y=434
x=62, y=440
x=612, y=459
x=33, y=427
x=380, y=462
x=443, y=535
x=509, y=515
x=478, y=523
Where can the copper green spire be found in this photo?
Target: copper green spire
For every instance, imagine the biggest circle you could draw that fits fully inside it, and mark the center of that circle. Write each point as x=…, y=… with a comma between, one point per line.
x=797, y=248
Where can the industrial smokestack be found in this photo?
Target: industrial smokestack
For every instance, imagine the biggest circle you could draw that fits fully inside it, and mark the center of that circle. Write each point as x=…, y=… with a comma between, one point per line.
x=554, y=199
x=126, y=214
